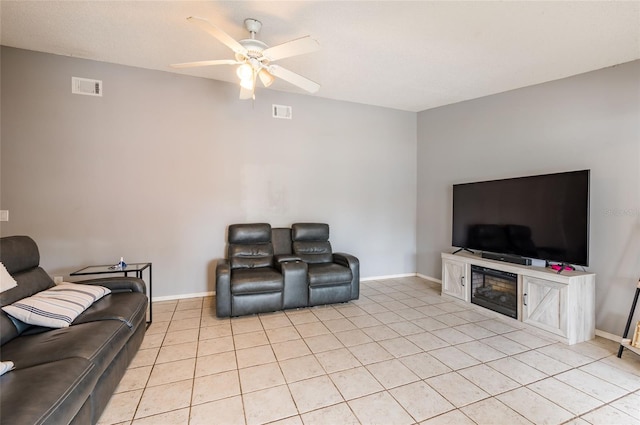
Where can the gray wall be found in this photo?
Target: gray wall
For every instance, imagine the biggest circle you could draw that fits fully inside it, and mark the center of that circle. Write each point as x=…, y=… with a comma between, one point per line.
x=587, y=121
x=157, y=168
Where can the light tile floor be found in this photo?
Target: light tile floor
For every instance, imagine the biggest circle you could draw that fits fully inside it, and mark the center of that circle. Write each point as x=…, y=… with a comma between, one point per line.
x=401, y=354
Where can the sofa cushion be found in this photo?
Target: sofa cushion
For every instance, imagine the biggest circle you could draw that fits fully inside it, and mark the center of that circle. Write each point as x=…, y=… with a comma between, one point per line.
x=281, y=240
x=49, y=393
x=313, y=252
x=251, y=255
x=311, y=242
x=19, y=253
x=310, y=232
x=98, y=342
x=250, y=245
x=328, y=274
x=256, y=281
x=56, y=307
x=127, y=307
x=29, y=282
x=249, y=233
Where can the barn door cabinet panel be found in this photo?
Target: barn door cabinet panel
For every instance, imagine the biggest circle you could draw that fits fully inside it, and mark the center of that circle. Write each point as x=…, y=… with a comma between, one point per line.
x=454, y=279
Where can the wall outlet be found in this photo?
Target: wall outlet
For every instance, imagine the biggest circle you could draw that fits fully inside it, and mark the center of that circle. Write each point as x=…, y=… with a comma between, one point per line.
x=57, y=280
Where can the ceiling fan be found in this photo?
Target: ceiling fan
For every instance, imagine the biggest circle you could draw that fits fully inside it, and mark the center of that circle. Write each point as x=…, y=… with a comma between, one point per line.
x=255, y=57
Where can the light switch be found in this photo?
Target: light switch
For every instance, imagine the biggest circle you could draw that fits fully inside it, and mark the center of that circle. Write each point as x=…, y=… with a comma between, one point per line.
x=4, y=215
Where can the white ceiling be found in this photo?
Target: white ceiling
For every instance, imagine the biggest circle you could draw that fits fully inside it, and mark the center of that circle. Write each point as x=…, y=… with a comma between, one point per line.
x=411, y=55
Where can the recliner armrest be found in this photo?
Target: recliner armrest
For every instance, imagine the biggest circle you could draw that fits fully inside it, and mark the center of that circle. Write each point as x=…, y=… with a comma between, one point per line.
x=353, y=263
x=223, y=288
x=345, y=259
x=283, y=258
x=119, y=284
x=296, y=289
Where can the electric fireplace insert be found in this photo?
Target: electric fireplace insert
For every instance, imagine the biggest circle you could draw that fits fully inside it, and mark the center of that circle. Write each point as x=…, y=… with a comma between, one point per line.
x=495, y=290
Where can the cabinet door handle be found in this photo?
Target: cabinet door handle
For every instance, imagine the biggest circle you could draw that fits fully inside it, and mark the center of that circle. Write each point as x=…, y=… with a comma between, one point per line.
x=524, y=299
x=462, y=280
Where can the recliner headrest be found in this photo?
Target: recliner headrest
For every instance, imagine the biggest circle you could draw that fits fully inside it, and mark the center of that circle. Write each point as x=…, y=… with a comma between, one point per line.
x=249, y=233
x=310, y=232
x=19, y=253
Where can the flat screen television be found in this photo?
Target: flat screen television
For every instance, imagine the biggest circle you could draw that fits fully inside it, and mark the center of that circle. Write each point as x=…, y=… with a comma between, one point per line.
x=544, y=217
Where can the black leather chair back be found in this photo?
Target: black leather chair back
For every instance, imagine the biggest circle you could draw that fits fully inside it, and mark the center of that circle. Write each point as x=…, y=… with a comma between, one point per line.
x=311, y=242
x=281, y=239
x=21, y=257
x=250, y=246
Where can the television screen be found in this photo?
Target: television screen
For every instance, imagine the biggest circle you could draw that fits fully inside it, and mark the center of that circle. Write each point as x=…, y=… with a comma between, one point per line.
x=544, y=217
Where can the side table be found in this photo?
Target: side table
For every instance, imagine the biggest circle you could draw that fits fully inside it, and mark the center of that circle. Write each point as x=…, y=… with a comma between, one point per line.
x=136, y=268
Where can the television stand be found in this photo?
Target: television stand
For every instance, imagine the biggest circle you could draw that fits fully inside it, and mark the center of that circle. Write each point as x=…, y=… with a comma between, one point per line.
x=562, y=304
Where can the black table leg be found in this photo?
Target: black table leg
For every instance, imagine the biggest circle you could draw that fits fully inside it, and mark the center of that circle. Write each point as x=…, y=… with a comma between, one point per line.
x=626, y=328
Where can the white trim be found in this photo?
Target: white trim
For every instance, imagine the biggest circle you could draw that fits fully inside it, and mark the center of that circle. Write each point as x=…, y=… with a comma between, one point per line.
x=607, y=335
x=433, y=279
x=363, y=279
x=391, y=276
x=183, y=296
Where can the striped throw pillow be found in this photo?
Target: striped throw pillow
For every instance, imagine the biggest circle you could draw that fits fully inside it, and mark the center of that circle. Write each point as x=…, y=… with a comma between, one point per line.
x=56, y=307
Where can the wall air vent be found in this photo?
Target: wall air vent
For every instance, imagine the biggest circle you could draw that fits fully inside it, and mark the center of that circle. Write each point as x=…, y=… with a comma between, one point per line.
x=86, y=86
x=281, y=111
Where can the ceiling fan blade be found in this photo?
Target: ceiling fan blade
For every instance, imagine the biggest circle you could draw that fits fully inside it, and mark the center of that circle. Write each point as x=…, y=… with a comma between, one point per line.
x=205, y=63
x=225, y=38
x=295, y=47
x=293, y=78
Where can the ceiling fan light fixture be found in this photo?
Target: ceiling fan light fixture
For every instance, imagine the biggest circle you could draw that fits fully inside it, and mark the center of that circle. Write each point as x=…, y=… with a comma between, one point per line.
x=245, y=72
x=255, y=58
x=247, y=83
x=266, y=78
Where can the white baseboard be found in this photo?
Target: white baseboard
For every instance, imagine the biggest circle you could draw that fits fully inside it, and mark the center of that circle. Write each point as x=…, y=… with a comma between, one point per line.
x=391, y=276
x=608, y=335
x=433, y=279
x=364, y=279
x=183, y=296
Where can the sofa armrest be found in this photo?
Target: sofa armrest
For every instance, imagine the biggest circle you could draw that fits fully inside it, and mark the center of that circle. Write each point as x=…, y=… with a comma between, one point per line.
x=353, y=263
x=223, y=289
x=345, y=259
x=283, y=258
x=296, y=288
x=119, y=284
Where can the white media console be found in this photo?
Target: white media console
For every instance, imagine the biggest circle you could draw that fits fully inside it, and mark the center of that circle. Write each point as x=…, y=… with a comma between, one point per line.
x=560, y=303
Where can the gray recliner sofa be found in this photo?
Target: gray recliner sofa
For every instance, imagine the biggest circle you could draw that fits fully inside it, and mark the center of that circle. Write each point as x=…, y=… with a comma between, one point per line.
x=269, y=269
x=65, y=375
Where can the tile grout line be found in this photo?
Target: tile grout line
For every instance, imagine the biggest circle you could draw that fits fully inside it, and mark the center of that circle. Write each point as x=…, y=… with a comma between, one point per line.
x=398, y=298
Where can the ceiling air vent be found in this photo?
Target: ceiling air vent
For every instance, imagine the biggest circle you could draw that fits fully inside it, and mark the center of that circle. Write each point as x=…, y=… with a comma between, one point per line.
x=282, y=111
x=86, y=86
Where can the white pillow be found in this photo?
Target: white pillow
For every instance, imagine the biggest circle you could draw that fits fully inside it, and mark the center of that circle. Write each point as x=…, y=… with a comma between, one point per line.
x=56, y=307
x=6, y=280
x=5, y=367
